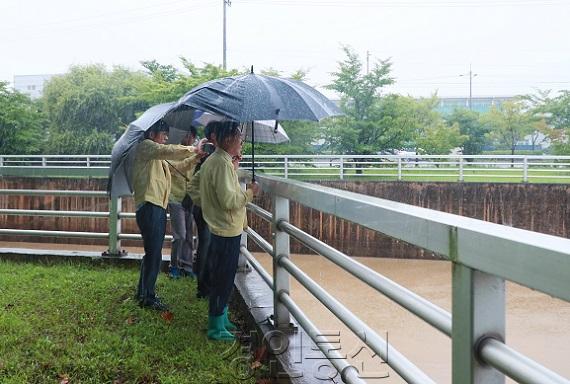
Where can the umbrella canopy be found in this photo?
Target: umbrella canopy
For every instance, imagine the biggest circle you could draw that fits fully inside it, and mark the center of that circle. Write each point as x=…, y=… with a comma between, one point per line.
x=120, y=172
x=254, y=97
x=265, y=131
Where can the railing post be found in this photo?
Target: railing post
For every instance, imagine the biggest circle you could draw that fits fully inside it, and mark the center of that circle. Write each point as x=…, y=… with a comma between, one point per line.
x=115, y=205
x=399, y=169
x=88, y=161
x=243, y=266
x=478, y=312
x=44, y=161
x=281, y=277
x=461, y=168
x=286, y=167
x=1, y=161
x=525, y=169
x=341, y=169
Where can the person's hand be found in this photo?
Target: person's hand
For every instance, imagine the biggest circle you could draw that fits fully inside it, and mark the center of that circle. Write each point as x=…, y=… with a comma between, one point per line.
x=199, y=148
x=235, y=161
x=255, y=188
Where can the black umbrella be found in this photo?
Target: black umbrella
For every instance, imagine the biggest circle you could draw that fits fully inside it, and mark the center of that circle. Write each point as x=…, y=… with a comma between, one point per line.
x=253, y=97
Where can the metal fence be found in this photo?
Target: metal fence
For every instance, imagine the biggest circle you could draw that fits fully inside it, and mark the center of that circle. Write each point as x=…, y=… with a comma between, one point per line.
x=114, y=216
x=477, y=322
x=518, y=168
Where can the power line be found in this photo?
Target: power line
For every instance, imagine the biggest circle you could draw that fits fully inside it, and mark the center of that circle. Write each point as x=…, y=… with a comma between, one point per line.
x=408, y=4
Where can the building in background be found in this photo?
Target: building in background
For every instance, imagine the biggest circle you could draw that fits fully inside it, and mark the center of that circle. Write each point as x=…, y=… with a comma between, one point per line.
x=447, y=105
x=31, y=85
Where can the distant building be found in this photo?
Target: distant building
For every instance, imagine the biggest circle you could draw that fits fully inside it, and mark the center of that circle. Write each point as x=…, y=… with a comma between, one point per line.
x=447, y=105
x=31, y=85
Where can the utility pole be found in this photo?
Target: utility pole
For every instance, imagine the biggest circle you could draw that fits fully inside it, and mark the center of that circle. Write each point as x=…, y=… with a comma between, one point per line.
x=471, y=76
x=367, y=62
x=226, y=3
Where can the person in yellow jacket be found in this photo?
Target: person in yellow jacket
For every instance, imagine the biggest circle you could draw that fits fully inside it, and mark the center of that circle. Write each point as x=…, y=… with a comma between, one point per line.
x=180, y=209
x=151, y=182
x=223, y=207
x=201, y=262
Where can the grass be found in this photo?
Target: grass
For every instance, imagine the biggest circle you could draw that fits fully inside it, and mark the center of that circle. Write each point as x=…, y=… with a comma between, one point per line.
x=77, y=322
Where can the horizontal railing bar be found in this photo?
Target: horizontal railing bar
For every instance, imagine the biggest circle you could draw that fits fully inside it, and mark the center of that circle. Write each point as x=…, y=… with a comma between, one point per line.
x=41, y=233
x=405, y=368
x=45, y=212
x=515, y=365
x=88, y=235
x=258, y=267
x=349, y=374
x=424, y=309
x=43, y=192
x=256, y=237
x=256, y=209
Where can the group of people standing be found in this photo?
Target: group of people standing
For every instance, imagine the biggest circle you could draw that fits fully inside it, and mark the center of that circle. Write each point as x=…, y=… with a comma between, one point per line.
x=192, y=182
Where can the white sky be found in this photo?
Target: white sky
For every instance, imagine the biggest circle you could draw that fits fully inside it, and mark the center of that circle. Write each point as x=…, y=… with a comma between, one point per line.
x=514, y=46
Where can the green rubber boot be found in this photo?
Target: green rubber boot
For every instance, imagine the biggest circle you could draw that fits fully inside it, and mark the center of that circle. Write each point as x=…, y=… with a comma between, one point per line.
x=227, y=323
x=216, y=330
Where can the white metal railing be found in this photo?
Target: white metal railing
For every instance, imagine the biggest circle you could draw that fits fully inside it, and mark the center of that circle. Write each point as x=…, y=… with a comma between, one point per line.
x=362, y=167
x=114, y=217
x=477, y=322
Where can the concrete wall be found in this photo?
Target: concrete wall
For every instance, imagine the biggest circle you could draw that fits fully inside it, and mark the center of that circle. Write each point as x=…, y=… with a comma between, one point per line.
x=537, y=207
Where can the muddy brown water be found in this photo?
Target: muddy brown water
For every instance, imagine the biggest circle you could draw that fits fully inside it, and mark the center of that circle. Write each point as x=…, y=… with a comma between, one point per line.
x=537, y=325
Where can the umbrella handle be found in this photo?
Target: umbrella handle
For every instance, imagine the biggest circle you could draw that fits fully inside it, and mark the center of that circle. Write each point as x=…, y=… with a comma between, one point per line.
x=252, y=151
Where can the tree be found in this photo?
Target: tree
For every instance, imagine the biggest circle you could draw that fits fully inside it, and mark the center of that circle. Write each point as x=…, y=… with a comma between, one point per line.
x=359, y=91
x=509, y=123
x=440, y=139
x=554, y=115
x=22, y=123
x=87, y=106
x=356, y=132
x=471, y=126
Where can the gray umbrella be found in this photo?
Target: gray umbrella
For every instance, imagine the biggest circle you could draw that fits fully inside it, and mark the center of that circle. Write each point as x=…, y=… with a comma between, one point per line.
x=253, y=97
x=120, y=172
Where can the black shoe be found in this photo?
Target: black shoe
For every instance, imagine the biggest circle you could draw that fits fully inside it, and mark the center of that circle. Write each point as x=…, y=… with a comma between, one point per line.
x=154, y=304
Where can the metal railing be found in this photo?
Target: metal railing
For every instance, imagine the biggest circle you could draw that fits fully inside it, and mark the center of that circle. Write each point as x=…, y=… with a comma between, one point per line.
x=114, y=216
x=518, y=168
x=477, y=322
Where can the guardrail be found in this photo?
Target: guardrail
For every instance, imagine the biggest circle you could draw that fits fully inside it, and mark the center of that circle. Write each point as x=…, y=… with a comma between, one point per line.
x=477, y=322
x=115, y=215
x=355, y=167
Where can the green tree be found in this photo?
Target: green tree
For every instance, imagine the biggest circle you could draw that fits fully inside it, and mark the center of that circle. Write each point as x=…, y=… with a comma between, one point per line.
x=471, y=126
x=359, y=90
x=554, y=116
x=22, y=123
x=440, y=139
x=87, y=107
x=509, y=123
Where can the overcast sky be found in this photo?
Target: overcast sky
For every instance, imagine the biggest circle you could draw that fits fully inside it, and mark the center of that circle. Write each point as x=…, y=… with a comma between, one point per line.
x=514, y=46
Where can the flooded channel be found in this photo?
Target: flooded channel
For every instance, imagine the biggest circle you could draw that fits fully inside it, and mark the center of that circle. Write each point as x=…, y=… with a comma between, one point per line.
x=537, y=325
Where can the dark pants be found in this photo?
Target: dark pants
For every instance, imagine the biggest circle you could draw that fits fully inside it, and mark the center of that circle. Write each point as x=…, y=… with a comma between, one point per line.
x=201, y=262
x=223, y=256
x=151, y=220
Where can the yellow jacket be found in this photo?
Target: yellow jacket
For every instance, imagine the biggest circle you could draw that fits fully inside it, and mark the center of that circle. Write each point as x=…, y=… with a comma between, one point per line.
x=222, y=199
x=151, y=177
x=181, y=184
x=194, y=189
